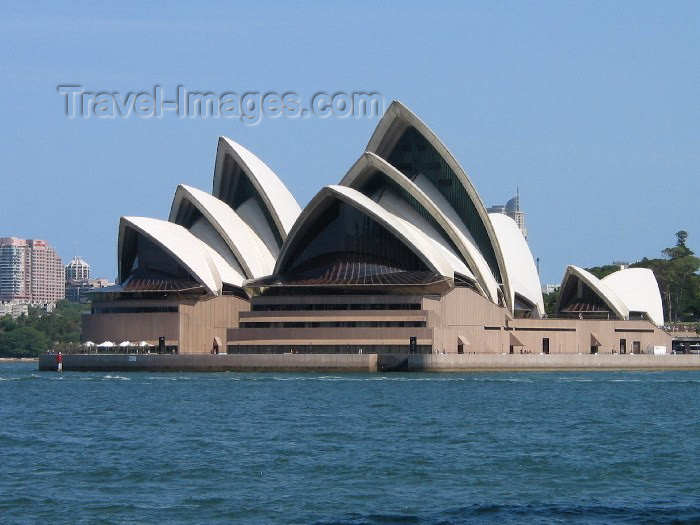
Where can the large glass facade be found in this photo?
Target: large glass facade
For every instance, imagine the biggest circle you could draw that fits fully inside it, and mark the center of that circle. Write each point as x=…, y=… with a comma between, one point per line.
x=345, y=245
x=413, y=155
x=522, y=307
x=576, y=297
x=147, y=266
x=187, y=214
x=377, y=183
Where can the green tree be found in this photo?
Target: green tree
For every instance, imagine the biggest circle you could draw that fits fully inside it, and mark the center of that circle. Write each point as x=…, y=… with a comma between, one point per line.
x=550, y=301
x=680, y=250
x=62, y=325
x=603, y=271
x=7, y=323
x=678, y=281
x=25, y=341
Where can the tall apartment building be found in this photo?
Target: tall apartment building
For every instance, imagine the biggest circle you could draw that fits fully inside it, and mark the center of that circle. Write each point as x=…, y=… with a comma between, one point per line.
x=512, y=209
x=15, y=270
x=30, y=272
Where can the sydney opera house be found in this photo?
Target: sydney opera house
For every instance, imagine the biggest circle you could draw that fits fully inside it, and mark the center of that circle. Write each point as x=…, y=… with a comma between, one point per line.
x=399, y=257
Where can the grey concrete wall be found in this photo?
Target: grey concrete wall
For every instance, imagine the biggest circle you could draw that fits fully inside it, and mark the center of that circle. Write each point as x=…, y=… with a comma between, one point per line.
x=213, y=363
x=461, y=363
x=367, y=362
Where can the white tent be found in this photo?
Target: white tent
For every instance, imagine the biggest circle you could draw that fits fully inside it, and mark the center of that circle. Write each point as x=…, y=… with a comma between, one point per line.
x=89, y=343
x=106, y=344
x=125, y=344
x=144, y=343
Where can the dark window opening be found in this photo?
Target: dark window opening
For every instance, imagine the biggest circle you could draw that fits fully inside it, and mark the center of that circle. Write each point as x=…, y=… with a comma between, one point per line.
x=147, y=266
x=236, y=188
x=332, y=324
x=424, y=159
x=344, y=243
x=333, y=307
x=133, y=309
x=328, y=349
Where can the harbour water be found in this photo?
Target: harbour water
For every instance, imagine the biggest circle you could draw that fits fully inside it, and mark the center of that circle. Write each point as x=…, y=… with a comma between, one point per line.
x=510, y=447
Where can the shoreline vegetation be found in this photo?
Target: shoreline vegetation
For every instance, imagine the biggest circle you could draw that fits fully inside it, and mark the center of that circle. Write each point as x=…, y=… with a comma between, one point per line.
x=33, y=334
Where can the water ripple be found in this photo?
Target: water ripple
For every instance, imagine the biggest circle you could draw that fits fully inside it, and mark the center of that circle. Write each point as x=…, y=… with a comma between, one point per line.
x=560, y=447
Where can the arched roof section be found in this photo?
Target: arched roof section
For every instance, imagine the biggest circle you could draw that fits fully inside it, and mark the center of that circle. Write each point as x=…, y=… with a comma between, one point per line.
x=599, y=288
x=639, y=290
x=395, y=203
x=240, y=176
x=370, y=170
x=409, y=236
x=409, y=144
x=229, y=274
x=184, y=250
x=520, y=264
x=250, y=252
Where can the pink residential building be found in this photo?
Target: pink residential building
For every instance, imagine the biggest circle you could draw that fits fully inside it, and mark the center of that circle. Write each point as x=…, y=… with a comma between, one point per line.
x=30, y=271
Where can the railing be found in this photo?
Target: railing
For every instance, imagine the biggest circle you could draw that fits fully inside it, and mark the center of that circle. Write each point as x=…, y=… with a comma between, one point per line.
x=68, y=349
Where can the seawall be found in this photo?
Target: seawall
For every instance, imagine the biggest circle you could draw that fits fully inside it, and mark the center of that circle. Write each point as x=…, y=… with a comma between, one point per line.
x=367, y=362
x=213, y=363
x=494, y=362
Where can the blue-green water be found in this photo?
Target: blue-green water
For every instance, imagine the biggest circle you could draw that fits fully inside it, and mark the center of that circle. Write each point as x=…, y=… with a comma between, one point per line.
x=600, y=447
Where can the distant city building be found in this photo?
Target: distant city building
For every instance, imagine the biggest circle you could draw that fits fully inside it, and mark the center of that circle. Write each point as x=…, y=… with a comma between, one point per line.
x=77, y=289
x=512, y=210
x=30, y=272
x=549, y=288
x=78, y=282
x=14, y=310
x=77, y=270
x=15, y=270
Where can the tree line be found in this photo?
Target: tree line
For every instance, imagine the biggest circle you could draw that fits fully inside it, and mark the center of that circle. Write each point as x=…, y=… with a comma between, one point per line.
x=33, y=334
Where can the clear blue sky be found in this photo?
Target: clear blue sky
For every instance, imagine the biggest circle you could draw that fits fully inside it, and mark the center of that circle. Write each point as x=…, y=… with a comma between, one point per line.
x=591, y=108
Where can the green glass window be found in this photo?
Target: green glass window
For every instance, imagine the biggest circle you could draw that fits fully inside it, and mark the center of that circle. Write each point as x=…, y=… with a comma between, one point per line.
x=413, y=155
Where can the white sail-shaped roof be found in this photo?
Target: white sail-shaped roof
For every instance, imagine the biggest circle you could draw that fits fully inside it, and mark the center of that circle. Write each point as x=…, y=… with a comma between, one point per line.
x=188, y=251
x=229, y=273
x=407, y=233
x=251, y=254
x=397, y=120
x=369, y=164
x=638, y=289
x=617, y=307
x=394, y=204
x=279, y=204
x=519, y=262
